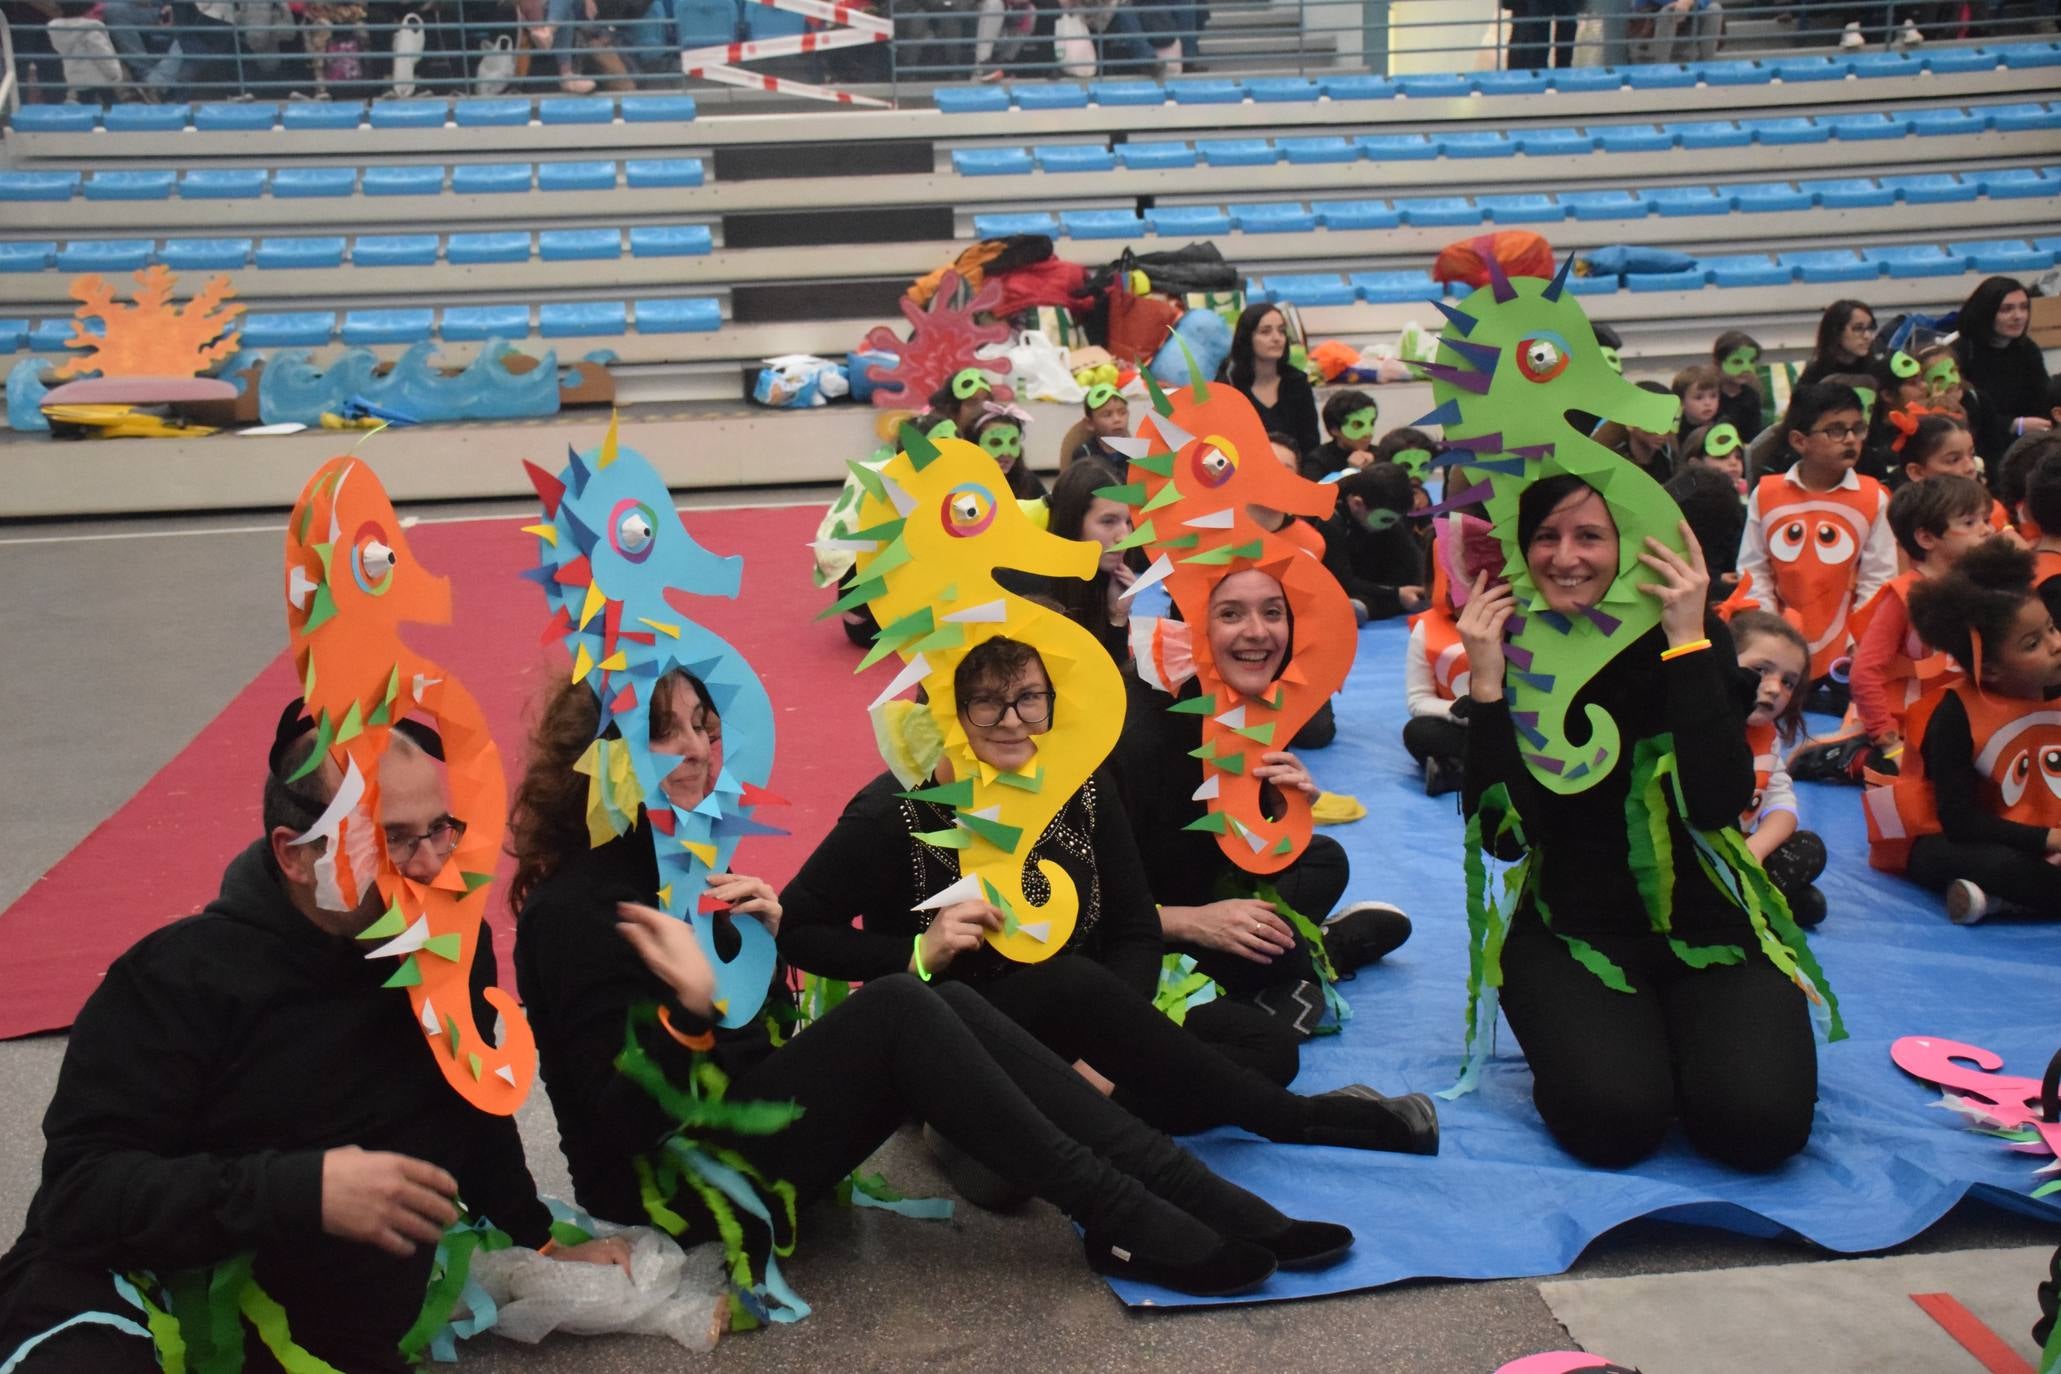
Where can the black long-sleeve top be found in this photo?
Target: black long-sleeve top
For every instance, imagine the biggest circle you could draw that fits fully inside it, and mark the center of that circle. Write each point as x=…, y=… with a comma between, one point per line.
x=1957, y=789
x=204, y=1080
x=579, y=981
x=1372, y=565
x=2010, y=379
x=1294, y=412
x=872, y=868
x=1581, y=841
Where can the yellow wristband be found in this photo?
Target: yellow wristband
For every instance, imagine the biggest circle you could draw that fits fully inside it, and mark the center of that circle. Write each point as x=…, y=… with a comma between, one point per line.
x=1681, y=650
x=916, y=958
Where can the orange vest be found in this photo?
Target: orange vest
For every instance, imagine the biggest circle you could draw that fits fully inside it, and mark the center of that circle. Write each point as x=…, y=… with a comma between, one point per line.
x=1767, y=756
x=1998, y=520
x=1917, y=667
x=2045, y=564
x=1444, y=652
x=2017, y=749
x=1814, y=541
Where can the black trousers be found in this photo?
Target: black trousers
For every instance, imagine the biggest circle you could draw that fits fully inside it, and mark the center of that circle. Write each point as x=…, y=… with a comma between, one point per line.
x=1319, y=730
x=1435, y=737
x=1540, y=27
x=1999, y=870
x=1283, y=986
x=1726, y=1049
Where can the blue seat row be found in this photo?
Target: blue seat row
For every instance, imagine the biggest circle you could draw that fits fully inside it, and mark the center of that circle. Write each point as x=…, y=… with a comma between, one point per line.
x=1063, y=95
x=1293, y=217
x=419, y=324
x=301, y=183
x=365, y=250
x=260, y=116
x=1754, y=269
x=1416, y=147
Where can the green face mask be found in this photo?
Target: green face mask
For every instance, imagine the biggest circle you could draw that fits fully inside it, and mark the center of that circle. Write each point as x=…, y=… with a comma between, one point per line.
x=969, y=382
x=1414, y=460
x=945, y=429
x=1722, y=440
x=1382, y=519
x=1002, y=441
x=1739, y=362
x=1359, y=426
x=1867, y=404
x=1943, y=376
x=1611, y=356
x=1100, y=395
x=1902, y=365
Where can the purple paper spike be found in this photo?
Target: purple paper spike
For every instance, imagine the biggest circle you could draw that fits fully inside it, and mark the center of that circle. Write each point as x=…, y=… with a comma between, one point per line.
x=1480, y=491
x=1535, y=452
x=1529, y=719
x=1557, y=621
x=1518, y=654
x=1512, y=628
x=1453, y=376
x=1480, y=443
x=1541, y=761
x=1499, y=280
x=1508, y=467
x=1602, y=620
x=1559, y=282
x=1483, y=357
x=1601, y=754
x=1462, y=321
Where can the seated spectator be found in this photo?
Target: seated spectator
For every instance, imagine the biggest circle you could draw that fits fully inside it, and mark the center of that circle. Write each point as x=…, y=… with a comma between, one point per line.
x=1412, y=450
x=999, y=431
x=337, y=42
x=1846, y=336
x=1369, y=547
x=1435, y=690
x=1741, y=400
x=2002, y=364
x=1716, y=447
x=1349, y=418
x=1700, y=391
x=1712, y=504
x=1105, y=415
x=1293, y=528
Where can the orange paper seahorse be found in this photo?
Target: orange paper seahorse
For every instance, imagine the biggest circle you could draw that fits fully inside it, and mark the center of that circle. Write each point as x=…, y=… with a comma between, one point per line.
x=351, y=583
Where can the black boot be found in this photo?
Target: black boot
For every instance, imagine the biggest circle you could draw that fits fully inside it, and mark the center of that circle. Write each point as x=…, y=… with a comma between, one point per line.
x=1359, y=1118
x=1233, y=1267
x=1182, y=1179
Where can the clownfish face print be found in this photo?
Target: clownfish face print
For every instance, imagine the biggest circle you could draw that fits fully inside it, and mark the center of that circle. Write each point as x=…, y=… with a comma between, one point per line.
x=2022, y=761
x=1815, y=547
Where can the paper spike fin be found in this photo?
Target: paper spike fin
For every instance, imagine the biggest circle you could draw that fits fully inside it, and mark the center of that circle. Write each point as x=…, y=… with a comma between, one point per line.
x=549, y=489
x=1447, y=414
x=1481, y=357
x=922, y=453
x=1160, y=402
x=1198, y=385
x=1499, y=280
x=1559, y=282
x=608, y=446
x=577, y=466
x=1452, y=376
x=1461, y=320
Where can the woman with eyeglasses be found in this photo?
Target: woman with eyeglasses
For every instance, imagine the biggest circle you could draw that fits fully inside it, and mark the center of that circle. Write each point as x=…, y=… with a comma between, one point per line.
x=1092, y=1003
x=1846, y=336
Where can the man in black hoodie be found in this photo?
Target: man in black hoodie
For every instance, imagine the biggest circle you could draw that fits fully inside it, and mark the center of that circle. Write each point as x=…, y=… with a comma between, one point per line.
x=242, y=1089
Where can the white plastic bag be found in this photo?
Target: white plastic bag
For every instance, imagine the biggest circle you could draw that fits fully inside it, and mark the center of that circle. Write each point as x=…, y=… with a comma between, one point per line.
x=496, y=66
x=1038, y=370
x=1075, y=44
x=408, y=42
x=668, y=1292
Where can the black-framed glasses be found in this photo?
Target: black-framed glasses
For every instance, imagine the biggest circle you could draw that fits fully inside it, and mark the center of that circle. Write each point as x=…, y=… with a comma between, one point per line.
x=1841, y=432
x=442, y=838
x=1032, y=708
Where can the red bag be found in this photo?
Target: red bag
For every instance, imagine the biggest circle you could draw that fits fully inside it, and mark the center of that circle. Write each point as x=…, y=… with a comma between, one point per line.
x=1522, y=253
x=1139, y=325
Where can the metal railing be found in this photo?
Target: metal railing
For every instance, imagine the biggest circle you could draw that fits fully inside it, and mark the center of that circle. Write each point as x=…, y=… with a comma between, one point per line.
x=216, y=50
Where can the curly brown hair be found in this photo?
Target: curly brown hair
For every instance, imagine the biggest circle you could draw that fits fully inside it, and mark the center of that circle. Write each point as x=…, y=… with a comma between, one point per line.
x=547, y=824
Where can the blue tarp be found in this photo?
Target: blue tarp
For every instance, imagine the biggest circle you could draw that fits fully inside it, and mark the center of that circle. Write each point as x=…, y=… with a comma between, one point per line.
x=1501, y=1200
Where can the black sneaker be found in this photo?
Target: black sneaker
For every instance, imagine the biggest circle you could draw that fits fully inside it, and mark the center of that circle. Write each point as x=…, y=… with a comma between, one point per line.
x=1362, y=933
x=1832, y=760
x=1442, y=776
x=1360, y=1118
x=1234, y=1267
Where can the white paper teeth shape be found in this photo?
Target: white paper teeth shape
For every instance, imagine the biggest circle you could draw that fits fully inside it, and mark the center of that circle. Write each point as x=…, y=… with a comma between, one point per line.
x=1041, y=931
x=1216, y=520
x=1162, y=568
x=430, y=1022
x=506, y=1073
x=298, y=586
x=1212, y=787
x=1176, y=437
x=407, y=942
x=987, y=613
x=967, y=889
x=1235, y=717
x=912, y=673
x=1130, y=448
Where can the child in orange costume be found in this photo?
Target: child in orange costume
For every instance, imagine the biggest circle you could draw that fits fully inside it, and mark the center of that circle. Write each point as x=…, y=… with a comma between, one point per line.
x=1817, y=536
x=2043, y=508
x=1976, y=813
x=1435, y=666
x=1773, y=652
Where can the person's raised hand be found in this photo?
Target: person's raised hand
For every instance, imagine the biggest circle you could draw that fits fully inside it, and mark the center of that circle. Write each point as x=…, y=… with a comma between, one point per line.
x=956, y=930
x=393, y=1201
x=1684, y=589
x=1285, y=771
x=747, y=896
x=1481, y=631
x=668, y=948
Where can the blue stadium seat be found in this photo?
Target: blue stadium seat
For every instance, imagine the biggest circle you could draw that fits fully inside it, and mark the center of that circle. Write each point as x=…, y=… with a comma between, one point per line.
x=1235, y=152
x=1184, y=91
x=1425, y=211
x=296, y=183
x=38, y=185
x=14, y=334
x=407, y=114
x=671, y=241
x=1303, y=152
x=576, y=176
x=990, y=162
x=491, y=113
x=1658, y=76
x=1587, y=80
x=1436, y=86
x=300, y=253
x=1675, y=201
x=1895, y=65
x=490, y=178
x=1476, y=144
x=501, y=245
x=1932, y=188
x=222, y=183
x=292, y=329
x=2048, y=245
x=1059, y=95
x=1555, y=142
x=1138, y=157
x=1521, y=209
x=105, y=255
x=1946, y=61
x=1947, y=121
x=1633, y=138
x=1101, y=224
x=55, y=119
x=1128, y=93
x=1274, y=217
x=27, y=257
x=1767, y=197
x=1853, y=193
x=1359, y=86
x=579, y=245
x=148, y=185
x=215, y=255
x=50, y=336
x=1170, y=220
x=2003, y=256
x=252, y=116
x=1356, y=214
x=1605, y=205
x=404, y=326
x=2016, y=183
x=2022, y=118
x=464, y=323
x=2019, y=56
x=393, y=250
x=1689, y=279
x=1002, y=226
x=575, y=319
x=1308, y=289
x=402, y=181
x=1916, y=260
x=1793, y=70
x=1860, y=128
x=1074, y=157
x=141, y=119
x=1774, y=133
x=971, y=99
x=1830, y=264
x=696, y=316
x=586, y=109
x=1749, y=269
x=1283, y=90
x=1395, y=147
x=323, y=114
x=663, y=171
x=1391, y=288
x=1708, y=133
x=1511, y=83
x=1734, y=73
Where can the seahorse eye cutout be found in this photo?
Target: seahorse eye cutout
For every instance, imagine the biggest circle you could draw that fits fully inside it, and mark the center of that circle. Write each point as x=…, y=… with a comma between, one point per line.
x=969, y=510
x=372, y=560
x=1215, y=462
x=633, y=529
x=1543, y=356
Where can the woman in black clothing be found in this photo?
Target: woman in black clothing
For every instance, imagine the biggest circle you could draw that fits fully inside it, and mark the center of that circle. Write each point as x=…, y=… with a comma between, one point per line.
x=1078, y=513
x=1846, y=336
x=1092, y=1002
x=2002, y=365
x=1259, y=367
x=1726, y=1047
x=627, y=1049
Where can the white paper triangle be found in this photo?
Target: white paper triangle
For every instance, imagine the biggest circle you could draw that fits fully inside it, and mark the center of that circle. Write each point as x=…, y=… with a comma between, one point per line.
x=1162, y=568
x=423, y=682
x=1041, y=931
x=913, y=672
x=506, y=1073
x=987, y=613
x=1211, y=787
x=967, y=889
x=1216, y=520
x=429, y=1017
x=298, y=586
x=1130, y=448
x=904, y=503
x=988, y=813
x=1176, y=437
x=407, y=942
x=1235, y=717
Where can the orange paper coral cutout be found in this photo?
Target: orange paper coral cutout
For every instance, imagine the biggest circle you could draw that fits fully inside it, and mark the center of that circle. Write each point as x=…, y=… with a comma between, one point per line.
x=153, y=337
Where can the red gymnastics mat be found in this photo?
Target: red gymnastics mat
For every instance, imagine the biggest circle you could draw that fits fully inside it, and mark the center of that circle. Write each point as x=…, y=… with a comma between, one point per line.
x=172, y=839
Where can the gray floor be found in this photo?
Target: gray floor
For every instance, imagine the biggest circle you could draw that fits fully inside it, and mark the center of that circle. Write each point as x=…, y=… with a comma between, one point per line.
x=122, y=640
